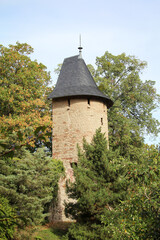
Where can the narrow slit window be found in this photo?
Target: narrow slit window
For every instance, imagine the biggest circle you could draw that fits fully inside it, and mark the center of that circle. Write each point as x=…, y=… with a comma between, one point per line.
x=69, y=102
x=104, y=107
x=101, y=121
x=88, y=101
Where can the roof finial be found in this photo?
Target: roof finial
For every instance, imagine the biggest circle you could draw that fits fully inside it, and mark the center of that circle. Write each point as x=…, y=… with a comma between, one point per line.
x=80, y=47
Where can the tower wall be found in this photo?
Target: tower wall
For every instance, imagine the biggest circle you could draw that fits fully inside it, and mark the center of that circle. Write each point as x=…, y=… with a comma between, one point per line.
x=74, y=119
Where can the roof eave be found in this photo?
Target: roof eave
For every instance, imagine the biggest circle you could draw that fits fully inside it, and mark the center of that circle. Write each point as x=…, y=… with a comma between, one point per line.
x=106, y=100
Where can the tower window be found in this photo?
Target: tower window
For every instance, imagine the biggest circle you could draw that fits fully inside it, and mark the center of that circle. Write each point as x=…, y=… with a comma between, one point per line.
x=69, y=102
x=104, y=107
x=88, y=101
x=101, y=121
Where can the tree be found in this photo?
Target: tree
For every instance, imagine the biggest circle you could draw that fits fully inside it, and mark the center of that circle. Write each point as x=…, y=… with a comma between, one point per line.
x=29, y=181
x=100, y=185
x=134, y=100
x=139, y=214
x=115, y=198
x=24, y=90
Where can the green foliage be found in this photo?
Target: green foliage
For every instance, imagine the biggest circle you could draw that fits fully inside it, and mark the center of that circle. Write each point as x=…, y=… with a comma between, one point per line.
x=115, y=198
x=140, y=218
x=58, y=69
x=22, y=80
x=23, y=100
x=29, y=181
x=8, y=219
x=32, y=140
x=100, y=185
x=116, y=191
x=134, y=101
x=140, y=214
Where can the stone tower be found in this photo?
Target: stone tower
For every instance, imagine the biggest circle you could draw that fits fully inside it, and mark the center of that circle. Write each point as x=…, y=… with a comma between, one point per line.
x=78, y=109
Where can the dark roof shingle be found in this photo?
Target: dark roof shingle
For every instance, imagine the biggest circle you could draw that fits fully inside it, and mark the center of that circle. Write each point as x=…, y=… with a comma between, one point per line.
x=75, y=80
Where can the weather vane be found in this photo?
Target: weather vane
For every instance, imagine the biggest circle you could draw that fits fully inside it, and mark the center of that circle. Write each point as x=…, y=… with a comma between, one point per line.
x=80, y=47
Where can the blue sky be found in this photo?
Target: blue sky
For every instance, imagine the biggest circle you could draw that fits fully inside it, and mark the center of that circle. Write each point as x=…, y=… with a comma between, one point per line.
x=52, y=28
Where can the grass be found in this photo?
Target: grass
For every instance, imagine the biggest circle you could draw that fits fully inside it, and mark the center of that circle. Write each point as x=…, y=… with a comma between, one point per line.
x=54, y=232
x=49, y=234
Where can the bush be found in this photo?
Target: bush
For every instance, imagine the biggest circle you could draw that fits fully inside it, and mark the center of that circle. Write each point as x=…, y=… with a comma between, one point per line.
x=8, y=219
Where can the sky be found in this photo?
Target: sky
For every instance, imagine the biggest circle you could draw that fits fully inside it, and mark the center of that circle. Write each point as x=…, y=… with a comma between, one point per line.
x=52, y=28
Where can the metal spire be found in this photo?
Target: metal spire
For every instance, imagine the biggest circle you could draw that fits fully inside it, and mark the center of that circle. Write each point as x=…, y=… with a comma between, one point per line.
x=80, y=47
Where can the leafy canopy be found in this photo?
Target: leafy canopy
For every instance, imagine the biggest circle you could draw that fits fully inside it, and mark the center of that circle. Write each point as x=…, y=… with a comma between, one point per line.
x=134, y=100
x=24, y=90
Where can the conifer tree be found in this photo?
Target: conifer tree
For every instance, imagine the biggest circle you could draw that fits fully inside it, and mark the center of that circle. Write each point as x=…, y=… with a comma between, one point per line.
x=100, y=185
x=115, y=198
x=29, y=181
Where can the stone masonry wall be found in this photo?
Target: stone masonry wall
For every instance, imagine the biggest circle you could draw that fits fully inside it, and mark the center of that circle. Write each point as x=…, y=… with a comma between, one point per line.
x=72, y=120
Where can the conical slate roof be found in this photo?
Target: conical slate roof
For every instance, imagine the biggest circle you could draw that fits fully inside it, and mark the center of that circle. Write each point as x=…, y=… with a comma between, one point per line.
x=75, y=80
